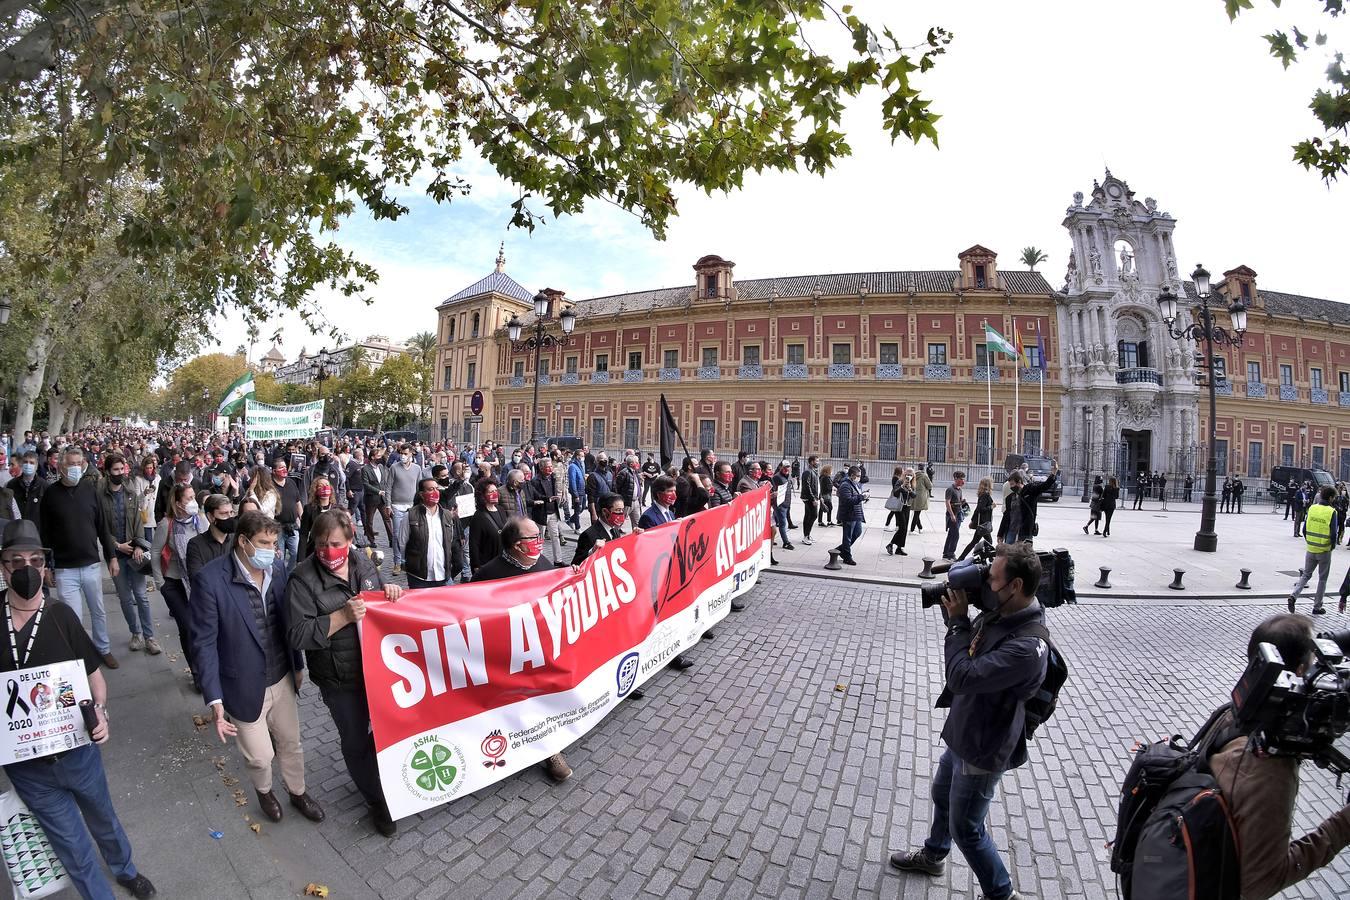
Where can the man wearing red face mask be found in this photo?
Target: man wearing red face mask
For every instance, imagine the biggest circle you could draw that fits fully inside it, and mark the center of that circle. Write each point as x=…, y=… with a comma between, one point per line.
x=662, y=509
x=434, y=552
x=523, y=552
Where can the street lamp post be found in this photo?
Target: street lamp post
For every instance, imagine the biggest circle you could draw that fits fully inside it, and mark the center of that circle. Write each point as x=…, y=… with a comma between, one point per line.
x=322, y=375
x=541, y=339
x=338, y=398
x=1303, y=445
x=1207, y=330
x=206, y=398
x=782, y=421
x=1087, y=459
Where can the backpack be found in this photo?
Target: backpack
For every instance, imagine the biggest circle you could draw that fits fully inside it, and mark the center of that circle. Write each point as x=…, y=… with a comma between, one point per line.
x=1042, y=704
x=1175, y=836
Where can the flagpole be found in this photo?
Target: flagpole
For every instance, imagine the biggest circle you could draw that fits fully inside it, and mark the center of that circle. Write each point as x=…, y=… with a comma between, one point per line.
x=1017, y=373
x=1040, y=364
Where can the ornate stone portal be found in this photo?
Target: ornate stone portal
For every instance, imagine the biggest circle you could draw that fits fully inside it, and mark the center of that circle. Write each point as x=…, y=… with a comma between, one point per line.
x=1131, y=398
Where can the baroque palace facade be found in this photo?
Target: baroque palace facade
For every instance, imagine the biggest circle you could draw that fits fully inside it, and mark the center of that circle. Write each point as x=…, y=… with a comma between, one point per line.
x=894, y=365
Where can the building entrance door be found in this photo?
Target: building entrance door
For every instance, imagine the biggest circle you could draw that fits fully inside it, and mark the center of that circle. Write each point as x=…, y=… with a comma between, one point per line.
x=1137, y=449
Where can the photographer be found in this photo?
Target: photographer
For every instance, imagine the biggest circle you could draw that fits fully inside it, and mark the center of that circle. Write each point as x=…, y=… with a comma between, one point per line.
x=1261, y=789
x=993, y=667
x=1019, y=510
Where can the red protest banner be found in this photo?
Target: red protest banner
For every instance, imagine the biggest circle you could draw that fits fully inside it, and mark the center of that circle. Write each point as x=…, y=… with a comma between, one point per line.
x=471, y=683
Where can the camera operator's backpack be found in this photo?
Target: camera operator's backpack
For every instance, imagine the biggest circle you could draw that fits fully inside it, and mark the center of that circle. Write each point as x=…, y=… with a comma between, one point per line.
x=1042, y=704
x=1175, y=835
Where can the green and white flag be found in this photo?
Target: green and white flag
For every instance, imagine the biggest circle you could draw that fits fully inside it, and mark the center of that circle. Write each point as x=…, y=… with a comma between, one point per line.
x=271, y=423
x=998, y=342
x=235, y=395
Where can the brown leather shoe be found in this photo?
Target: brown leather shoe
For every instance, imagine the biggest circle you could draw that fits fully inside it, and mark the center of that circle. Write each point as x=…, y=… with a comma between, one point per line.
x=308, y=806
x=271, y=807
x=110, y=661
x=558, y=769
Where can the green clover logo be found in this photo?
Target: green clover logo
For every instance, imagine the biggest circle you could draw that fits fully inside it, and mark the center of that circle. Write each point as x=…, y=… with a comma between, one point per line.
x=434, y=768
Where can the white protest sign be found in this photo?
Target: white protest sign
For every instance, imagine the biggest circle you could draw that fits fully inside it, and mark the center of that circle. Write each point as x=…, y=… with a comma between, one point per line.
x=42, y=711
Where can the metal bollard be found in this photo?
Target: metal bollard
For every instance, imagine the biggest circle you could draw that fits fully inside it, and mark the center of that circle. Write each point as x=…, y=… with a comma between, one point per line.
x=1176, y=584
x=927, y=572
x=1242, y=584
x=1105, y=580
x=834, y=565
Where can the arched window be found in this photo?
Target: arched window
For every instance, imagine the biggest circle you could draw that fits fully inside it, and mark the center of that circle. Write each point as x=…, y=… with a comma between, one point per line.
x=474, y=333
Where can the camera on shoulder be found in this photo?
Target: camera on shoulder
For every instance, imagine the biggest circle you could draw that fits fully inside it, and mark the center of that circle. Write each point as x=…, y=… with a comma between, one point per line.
x=969, y=575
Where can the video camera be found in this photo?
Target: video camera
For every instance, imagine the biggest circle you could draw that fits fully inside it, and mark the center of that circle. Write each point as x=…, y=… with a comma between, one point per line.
x=972, y=576
x=1288, y=714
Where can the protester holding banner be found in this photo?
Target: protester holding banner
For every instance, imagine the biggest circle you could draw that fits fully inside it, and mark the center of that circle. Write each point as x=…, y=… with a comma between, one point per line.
x=434, y=552
x=723, y=477
x=66, y=790
x=324, y=604
x=485, y=528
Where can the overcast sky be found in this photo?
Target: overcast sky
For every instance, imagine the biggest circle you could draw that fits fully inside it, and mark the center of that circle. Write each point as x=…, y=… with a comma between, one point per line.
x=1037, y=98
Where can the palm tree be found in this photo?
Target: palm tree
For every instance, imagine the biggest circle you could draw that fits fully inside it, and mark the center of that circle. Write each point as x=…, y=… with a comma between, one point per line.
x=423, y=346
x=1032, y=257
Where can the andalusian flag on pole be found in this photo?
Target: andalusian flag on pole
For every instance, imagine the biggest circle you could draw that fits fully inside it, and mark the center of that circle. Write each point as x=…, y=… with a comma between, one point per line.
x=235, y=395
x=997, y=342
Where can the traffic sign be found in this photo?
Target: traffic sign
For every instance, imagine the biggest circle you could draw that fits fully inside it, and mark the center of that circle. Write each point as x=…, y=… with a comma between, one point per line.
x=476, y=404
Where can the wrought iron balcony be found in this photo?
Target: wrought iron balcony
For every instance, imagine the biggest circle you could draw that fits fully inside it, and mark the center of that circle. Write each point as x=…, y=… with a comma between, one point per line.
x=668, y=375
x=750, y=373
x=1256, y=389
x=709, y=373
x=571, y=378
x=1139, y=375
x=1318, y=395
x=632, y=375
x=1223, y=387
x=933, y=372
x=599, y=378
x=985, y=373
x=544, y=379
x=1343, y=398
x=890, y=371
x=1033, y=376
x=517, y=381
x=796, y=371
x=1288, y=392
x=841, y=370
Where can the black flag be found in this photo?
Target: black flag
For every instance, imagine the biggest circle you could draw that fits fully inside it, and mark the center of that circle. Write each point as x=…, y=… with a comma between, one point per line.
x=670, y=433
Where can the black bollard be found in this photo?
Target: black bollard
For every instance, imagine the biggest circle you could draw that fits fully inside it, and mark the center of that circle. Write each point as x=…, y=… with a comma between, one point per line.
x=1242, y=584
x=1105, y=580
x=834, y=565
x=1176, y=584
x=927, y=572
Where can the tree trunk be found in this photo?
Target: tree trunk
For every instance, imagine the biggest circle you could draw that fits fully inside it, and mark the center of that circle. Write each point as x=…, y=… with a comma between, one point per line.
x=59, y=407
x=31, y=377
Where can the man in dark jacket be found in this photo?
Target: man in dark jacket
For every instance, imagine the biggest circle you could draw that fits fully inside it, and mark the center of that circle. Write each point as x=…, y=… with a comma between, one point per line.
x=850, y=512
x=183, y=473
x=541, y=492
x=780, y=499
x=28, y=489
x=1019, y=513
x=121, y=509
x=215, y=541
x=247, y=668
x=810, y=490
x=434, y=553
x=993, y=667
x=607, y=527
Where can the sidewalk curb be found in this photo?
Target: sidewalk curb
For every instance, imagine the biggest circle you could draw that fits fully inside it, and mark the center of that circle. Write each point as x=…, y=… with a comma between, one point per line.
x=1085, y=598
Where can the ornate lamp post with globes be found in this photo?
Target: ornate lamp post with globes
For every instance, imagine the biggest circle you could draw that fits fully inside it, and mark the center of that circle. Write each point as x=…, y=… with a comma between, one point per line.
x=1211, y=333
x=541, y=339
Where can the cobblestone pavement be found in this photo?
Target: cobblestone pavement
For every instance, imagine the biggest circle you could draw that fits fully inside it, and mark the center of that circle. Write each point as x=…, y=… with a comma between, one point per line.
x=788, y=763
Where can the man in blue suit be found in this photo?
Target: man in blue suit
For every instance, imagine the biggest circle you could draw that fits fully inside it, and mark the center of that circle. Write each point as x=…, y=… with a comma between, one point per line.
x=247, y=668
x=662, y=509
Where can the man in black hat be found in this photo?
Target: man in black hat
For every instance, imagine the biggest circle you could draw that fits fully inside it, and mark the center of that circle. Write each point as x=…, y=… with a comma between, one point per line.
x=66, y=791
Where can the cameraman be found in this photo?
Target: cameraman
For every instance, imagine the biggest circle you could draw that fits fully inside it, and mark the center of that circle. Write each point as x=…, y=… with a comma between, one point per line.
x=1261, y=789
x=993, y=668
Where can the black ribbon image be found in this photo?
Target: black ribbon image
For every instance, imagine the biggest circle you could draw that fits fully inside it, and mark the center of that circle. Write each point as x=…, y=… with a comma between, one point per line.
x=15, y=700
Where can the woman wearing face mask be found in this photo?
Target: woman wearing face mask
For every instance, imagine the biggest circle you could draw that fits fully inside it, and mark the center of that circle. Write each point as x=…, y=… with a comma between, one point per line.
x=515, y=501
x=168, y=562
x=262, y=488
x=146, y=487
x=323, y=599
x=320, y=501
x=485, y=528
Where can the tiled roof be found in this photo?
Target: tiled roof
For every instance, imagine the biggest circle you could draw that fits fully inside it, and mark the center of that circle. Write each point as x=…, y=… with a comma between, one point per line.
x=1279, y=303
x=497, y=282
x=832, y=285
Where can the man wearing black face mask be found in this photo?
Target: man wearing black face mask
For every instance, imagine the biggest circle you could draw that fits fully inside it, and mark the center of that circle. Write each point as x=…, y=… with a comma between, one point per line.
x=215, y=541
x=67, y=791
x=122, y=512
x=993, y=667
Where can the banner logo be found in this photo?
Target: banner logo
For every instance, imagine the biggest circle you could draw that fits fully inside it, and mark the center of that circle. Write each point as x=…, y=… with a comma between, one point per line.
x=434, y=769
x=627, y=674
x=494, y=747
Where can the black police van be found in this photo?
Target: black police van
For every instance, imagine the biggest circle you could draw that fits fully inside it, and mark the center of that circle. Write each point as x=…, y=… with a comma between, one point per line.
x=1281, y=477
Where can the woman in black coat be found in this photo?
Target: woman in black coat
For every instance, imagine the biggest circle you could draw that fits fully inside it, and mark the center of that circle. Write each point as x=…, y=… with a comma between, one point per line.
x=1110, y=494
x=982, y=520
x=485, y=528
x=902, y=488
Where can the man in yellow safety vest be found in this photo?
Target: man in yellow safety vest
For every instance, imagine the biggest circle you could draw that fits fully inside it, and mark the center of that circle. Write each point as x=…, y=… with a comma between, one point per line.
x=1319, y=526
